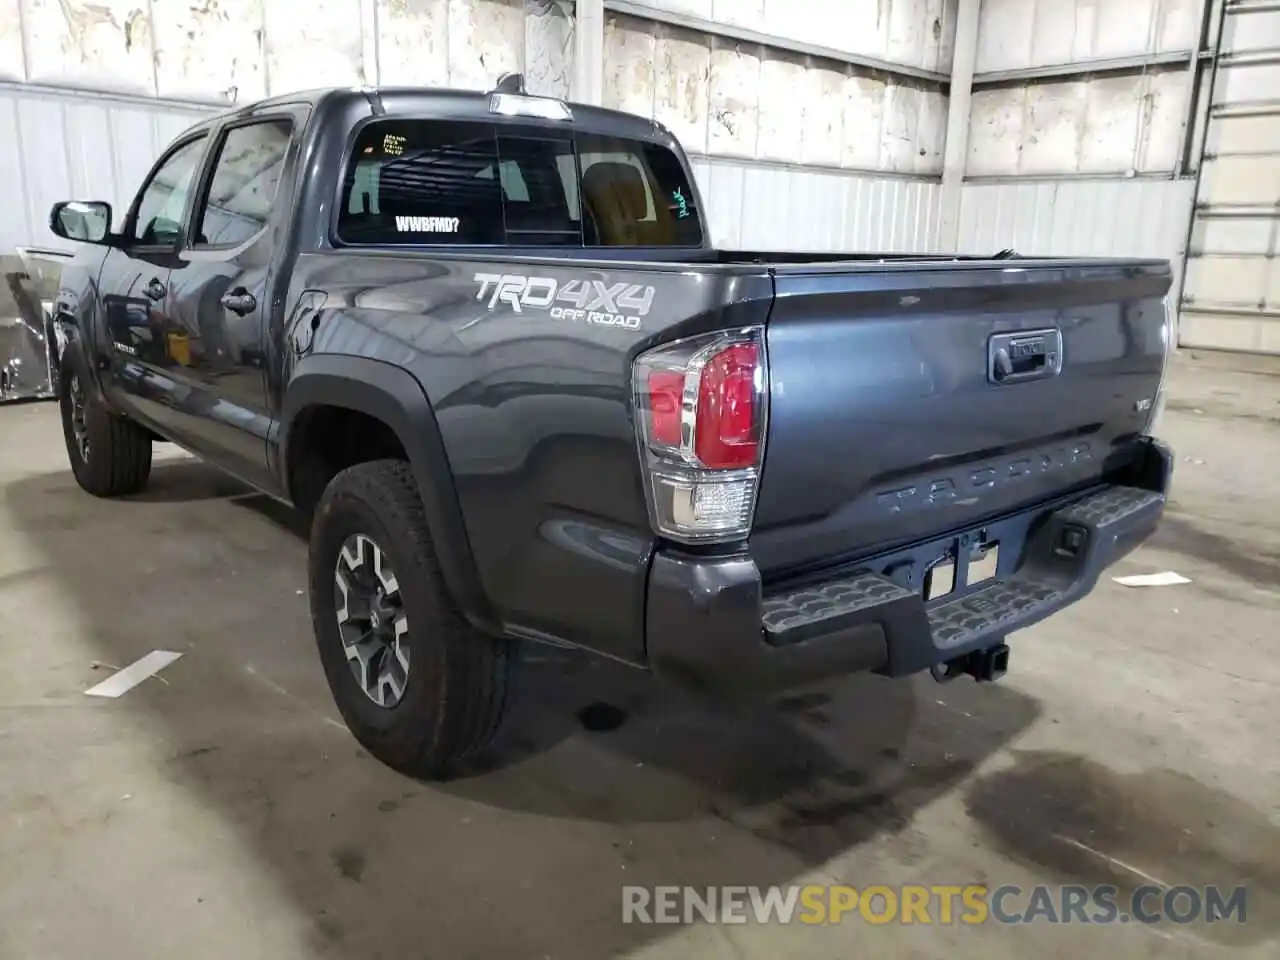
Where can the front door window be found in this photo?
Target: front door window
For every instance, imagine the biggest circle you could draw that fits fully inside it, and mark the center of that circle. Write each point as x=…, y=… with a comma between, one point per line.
x=164, y=198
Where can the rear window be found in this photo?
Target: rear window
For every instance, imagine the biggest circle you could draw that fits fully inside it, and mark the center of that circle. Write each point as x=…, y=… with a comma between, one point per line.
x=539, y=206
x=422, y=183
x=426, y=182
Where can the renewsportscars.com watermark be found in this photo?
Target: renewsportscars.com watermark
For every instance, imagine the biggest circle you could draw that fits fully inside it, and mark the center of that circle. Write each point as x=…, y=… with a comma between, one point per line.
x=937, y=904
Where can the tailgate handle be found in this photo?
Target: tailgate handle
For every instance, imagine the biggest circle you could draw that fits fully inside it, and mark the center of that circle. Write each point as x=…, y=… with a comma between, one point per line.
x=1014, y=357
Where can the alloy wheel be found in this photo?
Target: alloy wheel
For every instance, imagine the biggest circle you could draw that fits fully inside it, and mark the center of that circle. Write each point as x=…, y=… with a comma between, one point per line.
x=371, y=620
x=79, y=417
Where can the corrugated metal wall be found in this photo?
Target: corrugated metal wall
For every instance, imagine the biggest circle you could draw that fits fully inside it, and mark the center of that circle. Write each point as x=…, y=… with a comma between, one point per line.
x=1077, y=217
x=57, y=146
x=756, y=207
x=793, y=147
x=724, y=97
x=229, y=51
x=797, y=142
x=1232, y=295
x=1087, y=218
x=1081, y=124
x=91, y=90
x=1108, y=121
x=917, y=33
x=794, y=150
x=100, y=148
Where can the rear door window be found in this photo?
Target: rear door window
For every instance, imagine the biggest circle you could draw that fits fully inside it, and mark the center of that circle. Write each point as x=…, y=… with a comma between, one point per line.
x=462, y=182
x=245, y=179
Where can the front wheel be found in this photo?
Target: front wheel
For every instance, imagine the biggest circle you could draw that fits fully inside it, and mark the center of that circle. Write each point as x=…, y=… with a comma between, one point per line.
x=110, y=456
x=417, y=685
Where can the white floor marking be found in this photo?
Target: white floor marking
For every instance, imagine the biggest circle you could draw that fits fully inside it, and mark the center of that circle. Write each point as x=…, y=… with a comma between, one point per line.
x=1113, y=860
x=1166, y=579
x=121, y=683
x=271, y=684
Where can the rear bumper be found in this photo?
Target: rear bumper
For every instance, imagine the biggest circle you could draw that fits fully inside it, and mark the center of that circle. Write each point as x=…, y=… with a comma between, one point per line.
x=711, y=625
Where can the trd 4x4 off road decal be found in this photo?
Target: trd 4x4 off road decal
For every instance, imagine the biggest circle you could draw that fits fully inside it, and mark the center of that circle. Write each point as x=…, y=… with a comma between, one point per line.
x=586, y=301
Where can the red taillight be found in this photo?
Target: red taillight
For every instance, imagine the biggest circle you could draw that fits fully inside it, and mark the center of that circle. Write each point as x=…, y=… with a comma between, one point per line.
x=666, y=391
x=701, y=451
x=727, y=434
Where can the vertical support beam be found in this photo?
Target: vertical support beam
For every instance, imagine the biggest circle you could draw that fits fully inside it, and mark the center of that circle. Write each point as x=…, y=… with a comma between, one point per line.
x=1195, y=70
x=1196, y=137
x=957, y=148
x=588, y=52
x=370, y=40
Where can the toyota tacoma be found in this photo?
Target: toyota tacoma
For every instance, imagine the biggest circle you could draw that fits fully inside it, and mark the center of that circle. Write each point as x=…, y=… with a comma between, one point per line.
x=483, y=341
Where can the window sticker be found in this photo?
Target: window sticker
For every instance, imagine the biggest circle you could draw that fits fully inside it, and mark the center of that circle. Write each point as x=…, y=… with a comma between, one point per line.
x=682, y=205
x=427, y=224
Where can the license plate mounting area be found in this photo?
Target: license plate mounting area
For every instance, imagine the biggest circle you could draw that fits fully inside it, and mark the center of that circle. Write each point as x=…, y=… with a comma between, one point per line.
x=971, y=560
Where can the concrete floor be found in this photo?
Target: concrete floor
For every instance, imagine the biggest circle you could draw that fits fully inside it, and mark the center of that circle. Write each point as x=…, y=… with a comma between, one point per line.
x=224, y=812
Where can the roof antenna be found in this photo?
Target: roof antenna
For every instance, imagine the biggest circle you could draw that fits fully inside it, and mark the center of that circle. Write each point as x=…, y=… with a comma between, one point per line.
x=510, y=83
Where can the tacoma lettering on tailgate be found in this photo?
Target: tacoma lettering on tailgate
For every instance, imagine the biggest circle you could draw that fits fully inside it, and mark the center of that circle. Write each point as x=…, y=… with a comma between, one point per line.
x=968, y=487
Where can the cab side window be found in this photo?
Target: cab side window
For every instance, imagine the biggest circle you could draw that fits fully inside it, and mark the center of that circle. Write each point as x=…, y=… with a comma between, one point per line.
x=244, y=184
x=164, y=198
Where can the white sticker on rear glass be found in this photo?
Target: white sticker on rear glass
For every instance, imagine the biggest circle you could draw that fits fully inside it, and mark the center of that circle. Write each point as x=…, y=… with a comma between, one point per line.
x=427, y=224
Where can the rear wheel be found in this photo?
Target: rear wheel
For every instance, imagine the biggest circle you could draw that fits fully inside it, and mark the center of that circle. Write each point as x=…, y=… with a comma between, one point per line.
x=417, y=685
x=110, y=456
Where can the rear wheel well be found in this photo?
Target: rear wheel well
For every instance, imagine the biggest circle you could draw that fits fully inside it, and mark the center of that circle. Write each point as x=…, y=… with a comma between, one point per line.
x=325, y=440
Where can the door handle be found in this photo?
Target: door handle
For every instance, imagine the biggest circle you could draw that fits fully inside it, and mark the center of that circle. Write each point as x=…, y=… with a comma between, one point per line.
x=155, y=289
x=240, y=301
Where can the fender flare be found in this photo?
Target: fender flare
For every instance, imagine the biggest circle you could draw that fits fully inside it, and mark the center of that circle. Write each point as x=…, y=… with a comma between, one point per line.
x=394, y=396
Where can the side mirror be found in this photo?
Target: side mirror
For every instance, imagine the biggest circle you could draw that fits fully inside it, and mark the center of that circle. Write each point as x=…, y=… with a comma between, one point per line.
x=86, y=221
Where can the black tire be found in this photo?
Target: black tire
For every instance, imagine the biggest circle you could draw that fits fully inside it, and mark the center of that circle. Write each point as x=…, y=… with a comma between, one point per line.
x=115, y=460
x=455, y=691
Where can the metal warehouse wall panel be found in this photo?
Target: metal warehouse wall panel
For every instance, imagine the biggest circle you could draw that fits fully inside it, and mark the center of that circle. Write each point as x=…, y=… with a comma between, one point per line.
x=912, y=32
x=1027, y=33
x=1231, y=299
x=729, y=99
x=1120, y=217
x=784, y=208
x=65, y=146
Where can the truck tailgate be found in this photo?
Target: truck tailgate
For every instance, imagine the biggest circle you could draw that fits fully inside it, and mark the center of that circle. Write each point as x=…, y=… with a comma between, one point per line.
x=907, y=400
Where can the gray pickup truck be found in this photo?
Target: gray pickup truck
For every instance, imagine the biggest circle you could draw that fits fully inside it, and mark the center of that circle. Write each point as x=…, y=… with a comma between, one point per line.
x=484, y=342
